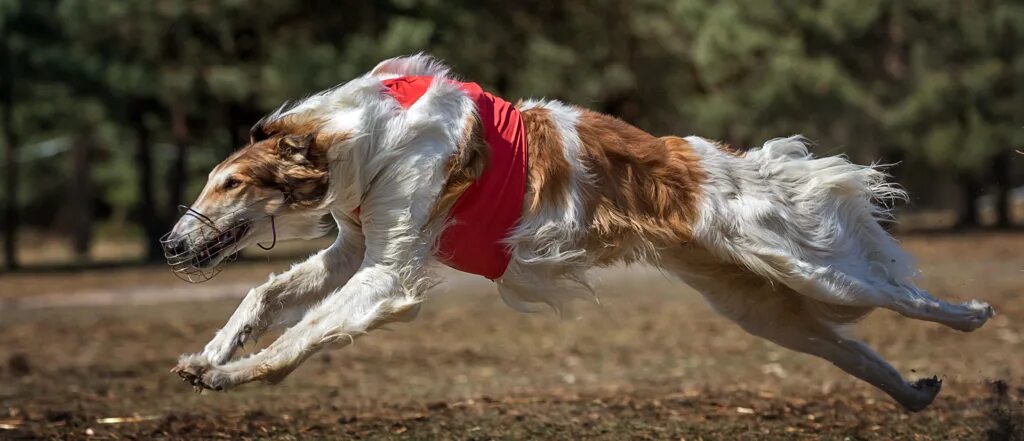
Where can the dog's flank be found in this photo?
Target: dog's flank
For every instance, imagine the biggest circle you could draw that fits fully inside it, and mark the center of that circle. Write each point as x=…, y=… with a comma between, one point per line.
x=786, y=245
x=644, y=189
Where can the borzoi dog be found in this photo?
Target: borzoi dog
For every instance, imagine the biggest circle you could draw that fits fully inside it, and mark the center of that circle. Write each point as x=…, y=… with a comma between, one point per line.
x=414, y=166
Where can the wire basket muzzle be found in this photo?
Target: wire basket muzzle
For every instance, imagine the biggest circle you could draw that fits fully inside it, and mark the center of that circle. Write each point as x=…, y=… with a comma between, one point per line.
x=200, y=254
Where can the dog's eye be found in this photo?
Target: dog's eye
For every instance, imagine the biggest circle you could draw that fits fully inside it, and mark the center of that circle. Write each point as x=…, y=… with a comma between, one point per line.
x=231, y=183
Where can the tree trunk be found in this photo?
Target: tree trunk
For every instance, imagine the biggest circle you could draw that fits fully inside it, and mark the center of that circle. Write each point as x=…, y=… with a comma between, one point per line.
x=81, y=195
x=1001, y=176
x=178, y=176
x=10, y=210
x=148, y=216
x=969, y=190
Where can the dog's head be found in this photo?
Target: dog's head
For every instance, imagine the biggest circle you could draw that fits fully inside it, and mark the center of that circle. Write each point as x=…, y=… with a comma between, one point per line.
x=272, y=189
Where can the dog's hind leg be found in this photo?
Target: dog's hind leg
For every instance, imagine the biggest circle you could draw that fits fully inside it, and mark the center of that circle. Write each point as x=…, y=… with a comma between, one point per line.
x=854, y=282
x=812, y=225
x=784, y=317
x=914, y=302
x=859, y=266
x=831, y=286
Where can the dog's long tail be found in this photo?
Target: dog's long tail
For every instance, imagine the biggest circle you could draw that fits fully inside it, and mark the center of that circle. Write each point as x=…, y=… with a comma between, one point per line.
x=810, y=223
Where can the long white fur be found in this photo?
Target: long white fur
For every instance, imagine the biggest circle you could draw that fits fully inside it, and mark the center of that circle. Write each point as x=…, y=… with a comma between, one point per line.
x=787, y=245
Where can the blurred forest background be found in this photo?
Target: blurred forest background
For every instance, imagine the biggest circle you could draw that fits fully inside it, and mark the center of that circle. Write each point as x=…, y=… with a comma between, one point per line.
x=114, y=111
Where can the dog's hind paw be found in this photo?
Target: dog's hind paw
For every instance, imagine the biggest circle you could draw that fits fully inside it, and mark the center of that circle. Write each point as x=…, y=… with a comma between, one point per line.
x=927, y=389
x=976, y=313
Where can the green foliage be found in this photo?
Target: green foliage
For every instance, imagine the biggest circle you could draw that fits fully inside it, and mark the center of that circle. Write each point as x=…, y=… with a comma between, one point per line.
x=963, y=97
x=937, y=83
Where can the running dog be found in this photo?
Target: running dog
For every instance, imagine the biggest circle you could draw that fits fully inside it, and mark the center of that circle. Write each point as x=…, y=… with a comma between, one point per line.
x=414, y=166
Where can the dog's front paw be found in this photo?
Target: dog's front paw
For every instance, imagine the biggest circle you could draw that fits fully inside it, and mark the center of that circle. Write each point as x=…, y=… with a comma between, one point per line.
x=191, y=368
x=216, y=379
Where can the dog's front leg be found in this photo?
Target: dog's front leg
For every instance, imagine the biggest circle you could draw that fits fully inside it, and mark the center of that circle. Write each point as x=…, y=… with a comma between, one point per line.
x=399, y=228
x=373, y=297
x=386, y=288
x=280, y=301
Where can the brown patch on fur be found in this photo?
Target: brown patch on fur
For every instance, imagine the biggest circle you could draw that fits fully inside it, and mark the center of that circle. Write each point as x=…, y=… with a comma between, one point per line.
x=465, y=167
x=644, y=188
x=549, y=171
x=296, y=165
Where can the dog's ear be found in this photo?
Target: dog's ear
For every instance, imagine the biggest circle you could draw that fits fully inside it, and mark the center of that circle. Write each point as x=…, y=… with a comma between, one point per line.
x=258, y=132
x=295, y=147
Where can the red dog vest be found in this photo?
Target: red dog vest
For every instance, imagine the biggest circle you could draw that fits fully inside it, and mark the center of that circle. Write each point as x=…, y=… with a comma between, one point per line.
x=486, y=213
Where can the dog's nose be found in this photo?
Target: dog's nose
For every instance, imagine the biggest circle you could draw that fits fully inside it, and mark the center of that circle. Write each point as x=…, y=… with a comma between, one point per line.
x=173, y=245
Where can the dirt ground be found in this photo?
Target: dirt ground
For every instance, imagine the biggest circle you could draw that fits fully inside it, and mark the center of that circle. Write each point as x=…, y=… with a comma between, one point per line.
x=86, y=356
